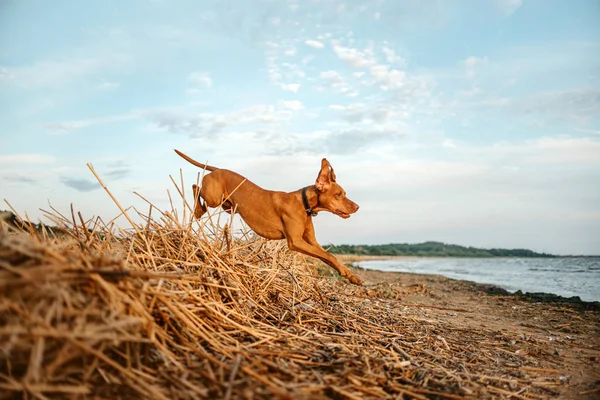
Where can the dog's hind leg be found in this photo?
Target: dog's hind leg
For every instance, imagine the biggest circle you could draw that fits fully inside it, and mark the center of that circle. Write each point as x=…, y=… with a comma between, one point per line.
x=199, y=205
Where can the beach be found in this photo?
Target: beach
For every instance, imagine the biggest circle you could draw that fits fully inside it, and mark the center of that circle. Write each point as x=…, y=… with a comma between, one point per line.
x=566, y=335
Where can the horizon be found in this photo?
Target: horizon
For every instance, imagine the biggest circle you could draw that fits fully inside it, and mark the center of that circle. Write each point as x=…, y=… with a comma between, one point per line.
x=327, y=245
x=474, y=123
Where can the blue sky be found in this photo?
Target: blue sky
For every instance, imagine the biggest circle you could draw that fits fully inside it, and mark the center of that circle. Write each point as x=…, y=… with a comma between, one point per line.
x=469, y=122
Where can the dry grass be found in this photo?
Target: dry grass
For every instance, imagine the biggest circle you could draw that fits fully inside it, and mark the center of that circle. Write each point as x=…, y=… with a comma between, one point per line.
x=173, y=309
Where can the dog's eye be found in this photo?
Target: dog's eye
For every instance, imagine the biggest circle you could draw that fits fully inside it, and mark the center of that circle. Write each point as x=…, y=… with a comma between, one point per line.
x=339, y=195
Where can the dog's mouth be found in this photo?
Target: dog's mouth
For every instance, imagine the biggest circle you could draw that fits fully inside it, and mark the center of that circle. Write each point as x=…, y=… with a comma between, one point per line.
x=342, y=214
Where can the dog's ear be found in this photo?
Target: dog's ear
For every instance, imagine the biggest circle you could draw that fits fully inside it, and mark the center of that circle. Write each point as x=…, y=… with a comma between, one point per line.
x=325, y=177
x=332, y=173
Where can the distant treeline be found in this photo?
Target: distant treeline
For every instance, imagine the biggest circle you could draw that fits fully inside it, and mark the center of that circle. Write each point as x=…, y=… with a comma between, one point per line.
x=9, y=218
x=431, y=249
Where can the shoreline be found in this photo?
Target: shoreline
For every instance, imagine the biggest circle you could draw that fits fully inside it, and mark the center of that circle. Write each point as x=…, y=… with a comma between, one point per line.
x=566, y=331
x=491, y=288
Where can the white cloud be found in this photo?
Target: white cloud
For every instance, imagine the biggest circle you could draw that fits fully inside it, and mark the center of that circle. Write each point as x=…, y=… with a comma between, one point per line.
x=544, y=150
x=332, y=76
x=508, y=7
x=200, y=78
x=307, y=59
x=472, y=64
x=281, y=73
x=388, y=78
x=390, y=55
x=108, y=85
x=335, y=82
x=315, y=44
x=566, y=104
x=187, y=120
x=291, y=87
x=66, y=126
x=26, y=159
x=354, y=57
x=5, y=74
x=565, y=151
x=470, y=92
x=54, y=73
x=293, y=105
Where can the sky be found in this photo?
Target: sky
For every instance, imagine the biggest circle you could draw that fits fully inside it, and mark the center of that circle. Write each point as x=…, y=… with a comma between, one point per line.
x=467, y=122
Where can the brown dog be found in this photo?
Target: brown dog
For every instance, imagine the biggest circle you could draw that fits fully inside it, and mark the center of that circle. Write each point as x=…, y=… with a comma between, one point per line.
x=277, y=215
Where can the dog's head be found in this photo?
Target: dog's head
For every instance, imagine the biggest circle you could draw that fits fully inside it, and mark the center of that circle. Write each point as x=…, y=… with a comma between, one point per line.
x=332, y=197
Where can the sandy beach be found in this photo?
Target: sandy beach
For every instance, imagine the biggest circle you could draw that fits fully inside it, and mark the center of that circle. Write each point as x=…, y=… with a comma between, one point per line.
x=566, y=336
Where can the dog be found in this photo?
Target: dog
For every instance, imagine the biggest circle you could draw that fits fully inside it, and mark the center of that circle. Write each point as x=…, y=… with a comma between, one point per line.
x=277, y=215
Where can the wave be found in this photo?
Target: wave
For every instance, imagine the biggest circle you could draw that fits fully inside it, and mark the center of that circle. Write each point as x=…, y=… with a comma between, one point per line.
x=562, y=270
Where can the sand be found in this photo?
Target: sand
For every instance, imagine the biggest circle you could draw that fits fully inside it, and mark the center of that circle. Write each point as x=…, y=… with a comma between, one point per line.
x=569, y=334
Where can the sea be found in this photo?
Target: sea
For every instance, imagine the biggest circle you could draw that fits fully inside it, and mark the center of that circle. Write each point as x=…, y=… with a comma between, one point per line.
x=564, y=276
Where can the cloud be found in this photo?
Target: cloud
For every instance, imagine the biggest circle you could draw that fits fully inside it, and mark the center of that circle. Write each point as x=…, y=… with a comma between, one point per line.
x=564, y=151
x=27, y=159
x=315, y=44
x=580, y=106
x=344, y=141
x=579, y=103
x=354, y=57
x=390, y=55
x=388, y=78
x=472, y=64
x=334, y=81
x=56, y=73
x=200, y=78
x=291, y=87
x=508, y=7
x=18, y=178
x=67, y=126
x=293, y=105
x=470, y=92
x=360, y=112
x=355, y=140
x=195, y=124
x=108, y=85
x=558, y=151
x=81, y=185
x=117, y=170
x=5, y=74
x=332, y=76
x=283, y=74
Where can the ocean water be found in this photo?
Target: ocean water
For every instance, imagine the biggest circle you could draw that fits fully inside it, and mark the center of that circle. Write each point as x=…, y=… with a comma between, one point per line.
x=568, y=276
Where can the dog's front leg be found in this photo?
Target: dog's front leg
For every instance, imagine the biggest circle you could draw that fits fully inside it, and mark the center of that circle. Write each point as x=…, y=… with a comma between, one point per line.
x=296, y=242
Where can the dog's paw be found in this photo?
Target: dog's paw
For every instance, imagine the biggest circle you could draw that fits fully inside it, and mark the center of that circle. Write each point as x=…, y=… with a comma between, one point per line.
x=355, y=280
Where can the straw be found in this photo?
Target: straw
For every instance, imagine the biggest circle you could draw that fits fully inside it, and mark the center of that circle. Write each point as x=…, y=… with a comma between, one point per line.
x=181, y=309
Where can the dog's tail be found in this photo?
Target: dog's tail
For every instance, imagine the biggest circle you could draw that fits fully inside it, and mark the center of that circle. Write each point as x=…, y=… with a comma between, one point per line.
x=194, y=162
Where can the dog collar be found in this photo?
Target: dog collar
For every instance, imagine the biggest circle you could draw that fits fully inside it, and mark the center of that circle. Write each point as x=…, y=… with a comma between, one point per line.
x=307, y=208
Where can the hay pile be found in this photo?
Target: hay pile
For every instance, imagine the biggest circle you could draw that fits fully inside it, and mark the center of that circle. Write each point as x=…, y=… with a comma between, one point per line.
x=178, y=310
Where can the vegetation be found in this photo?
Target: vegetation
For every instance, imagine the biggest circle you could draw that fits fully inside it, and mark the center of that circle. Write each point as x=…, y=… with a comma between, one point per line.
x=426, y=249
x=431, y=249
x=178, y=309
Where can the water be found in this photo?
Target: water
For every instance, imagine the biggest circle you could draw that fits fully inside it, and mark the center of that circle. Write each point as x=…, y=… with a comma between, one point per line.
x=572, y=276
